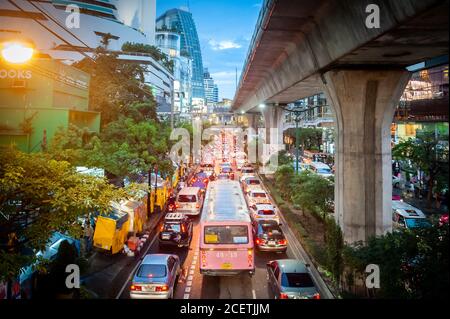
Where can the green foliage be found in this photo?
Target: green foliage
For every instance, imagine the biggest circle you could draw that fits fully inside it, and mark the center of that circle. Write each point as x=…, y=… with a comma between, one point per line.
x=413, y=264
x=334, y=248
x=312, y=192
x=310, y=138
x=154, y=51
x=50, y=195
x=126, y=147
x=283, y=178
x=430, y=156
x=115, y=85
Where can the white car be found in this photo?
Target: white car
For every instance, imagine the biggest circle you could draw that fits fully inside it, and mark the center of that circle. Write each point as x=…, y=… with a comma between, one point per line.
x=255, y=197
x=251, y=183
x=264, y=212
x=247, y=171
x=396, y=182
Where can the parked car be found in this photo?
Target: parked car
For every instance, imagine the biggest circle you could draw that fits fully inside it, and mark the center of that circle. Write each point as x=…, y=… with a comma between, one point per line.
x=227, y=170
x=251, y=183
x=321, y=169
x=264, y=211
x=408, y=216
x=176, y=230
x=268, y=236
x=257, y=197
x=291, y=279
x=396, y=182
x=156, y=277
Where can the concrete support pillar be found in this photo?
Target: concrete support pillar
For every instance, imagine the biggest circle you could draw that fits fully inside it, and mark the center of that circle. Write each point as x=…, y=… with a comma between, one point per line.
x=252, y=119
x=364, y=102
x=273, y=123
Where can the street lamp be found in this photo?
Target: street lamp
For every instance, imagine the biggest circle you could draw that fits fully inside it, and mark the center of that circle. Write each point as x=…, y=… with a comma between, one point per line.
x=262, y=106
x=16, y=52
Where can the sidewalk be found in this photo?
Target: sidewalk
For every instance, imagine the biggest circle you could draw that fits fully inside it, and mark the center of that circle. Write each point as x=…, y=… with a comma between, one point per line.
x=105, y=270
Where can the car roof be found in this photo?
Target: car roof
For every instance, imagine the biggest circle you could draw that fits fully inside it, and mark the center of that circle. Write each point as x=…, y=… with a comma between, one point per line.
x=319, y=165
x=292, y=265
x=189, y=191
x=260, y=190
x=174, y=217
x=265, y=207
x=406, y=210
x=155, y=259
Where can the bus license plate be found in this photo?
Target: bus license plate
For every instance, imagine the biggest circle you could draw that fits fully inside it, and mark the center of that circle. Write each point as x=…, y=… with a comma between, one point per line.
x=227, y=266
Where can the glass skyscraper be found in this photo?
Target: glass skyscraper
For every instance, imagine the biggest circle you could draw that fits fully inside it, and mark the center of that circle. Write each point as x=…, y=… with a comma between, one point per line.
x=182, y=22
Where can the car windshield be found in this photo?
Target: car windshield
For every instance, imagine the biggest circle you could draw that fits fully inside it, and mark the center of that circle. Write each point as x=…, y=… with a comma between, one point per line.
x=324, y=171
x=222, y=176
x=253, y=182
x=152, y=271
x=417, y=222
x=226, y=234
x=172, y=228
x=296, y=280
x=247, y=171
x=187, y=198
x=259, y=195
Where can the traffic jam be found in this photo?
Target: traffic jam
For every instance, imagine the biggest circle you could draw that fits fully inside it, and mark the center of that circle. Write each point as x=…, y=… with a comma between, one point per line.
x=222, y=237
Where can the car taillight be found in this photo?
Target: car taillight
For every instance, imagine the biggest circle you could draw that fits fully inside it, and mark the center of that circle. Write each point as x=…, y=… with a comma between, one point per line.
x=205, y=180
x=258, y=241
x=135, y=288
x=197, y=206
x=161, y=228
x=183, y=229
x=282, y=242
x=177, y=205
x=316, y=296
x=283, y=296
x=162, y=288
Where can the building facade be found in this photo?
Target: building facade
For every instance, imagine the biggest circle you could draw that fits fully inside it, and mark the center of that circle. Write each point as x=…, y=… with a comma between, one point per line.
x=182, y=22
x=40, y=97
x=170, y=43
x=211, y=90
x=123, y=20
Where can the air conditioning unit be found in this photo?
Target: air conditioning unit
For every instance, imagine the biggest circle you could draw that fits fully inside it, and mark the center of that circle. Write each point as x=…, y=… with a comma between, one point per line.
x=18, y=84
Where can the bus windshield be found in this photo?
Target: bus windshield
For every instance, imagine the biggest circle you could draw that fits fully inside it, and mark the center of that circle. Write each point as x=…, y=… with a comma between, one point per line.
x=324, y=171
x=226, y=235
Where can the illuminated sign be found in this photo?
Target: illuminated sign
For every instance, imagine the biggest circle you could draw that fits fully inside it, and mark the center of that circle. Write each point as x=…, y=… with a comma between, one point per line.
x=15, y=74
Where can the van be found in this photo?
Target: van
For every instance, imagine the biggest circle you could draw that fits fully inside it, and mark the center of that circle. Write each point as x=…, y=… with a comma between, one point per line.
x=189, y=201
x=407, y=216
x=321, y=169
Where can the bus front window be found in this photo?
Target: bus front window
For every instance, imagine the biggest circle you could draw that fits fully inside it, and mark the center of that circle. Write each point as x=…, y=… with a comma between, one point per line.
x=226, y=235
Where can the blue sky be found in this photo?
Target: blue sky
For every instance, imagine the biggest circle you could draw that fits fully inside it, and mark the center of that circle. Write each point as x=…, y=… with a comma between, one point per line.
x=225, y=28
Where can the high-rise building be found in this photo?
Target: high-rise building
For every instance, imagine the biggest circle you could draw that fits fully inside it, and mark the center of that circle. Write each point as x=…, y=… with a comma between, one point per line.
x=181, y=21
x=211, y=89
x=169, y=42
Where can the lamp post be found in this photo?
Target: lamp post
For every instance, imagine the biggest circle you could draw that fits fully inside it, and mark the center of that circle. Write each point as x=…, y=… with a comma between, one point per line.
x=149, y=192
x=16, y=52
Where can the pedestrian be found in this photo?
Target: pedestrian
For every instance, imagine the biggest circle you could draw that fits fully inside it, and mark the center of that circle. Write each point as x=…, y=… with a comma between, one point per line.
x=88, y=234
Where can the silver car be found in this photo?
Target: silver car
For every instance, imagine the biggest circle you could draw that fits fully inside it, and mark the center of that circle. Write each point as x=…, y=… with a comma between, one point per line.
x=156, y=277
x=291, y=279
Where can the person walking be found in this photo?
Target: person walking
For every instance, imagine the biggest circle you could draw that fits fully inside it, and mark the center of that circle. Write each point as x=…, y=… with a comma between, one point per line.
x=88, y=234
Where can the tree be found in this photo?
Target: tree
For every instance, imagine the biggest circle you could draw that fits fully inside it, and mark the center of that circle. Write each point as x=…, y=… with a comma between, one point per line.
x=413, y=263
x=313, y=192
x=310, y=138
x=283, y=180
x=127, y=148
x=40, y=195
x=116, y=86
x=429, y=155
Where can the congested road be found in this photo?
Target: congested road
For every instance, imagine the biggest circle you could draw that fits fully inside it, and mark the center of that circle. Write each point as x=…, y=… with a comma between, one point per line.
x=193, y=285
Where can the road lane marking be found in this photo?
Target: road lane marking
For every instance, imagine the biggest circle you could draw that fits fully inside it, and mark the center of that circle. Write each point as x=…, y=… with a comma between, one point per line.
x=254, y=293
x=190, y=277
x=135, y=267
x=188, y=289
x=186, y=296
x=189, y=283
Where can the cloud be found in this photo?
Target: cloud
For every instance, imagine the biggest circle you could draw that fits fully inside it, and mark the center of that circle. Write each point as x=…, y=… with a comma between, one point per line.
x=223, y=45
